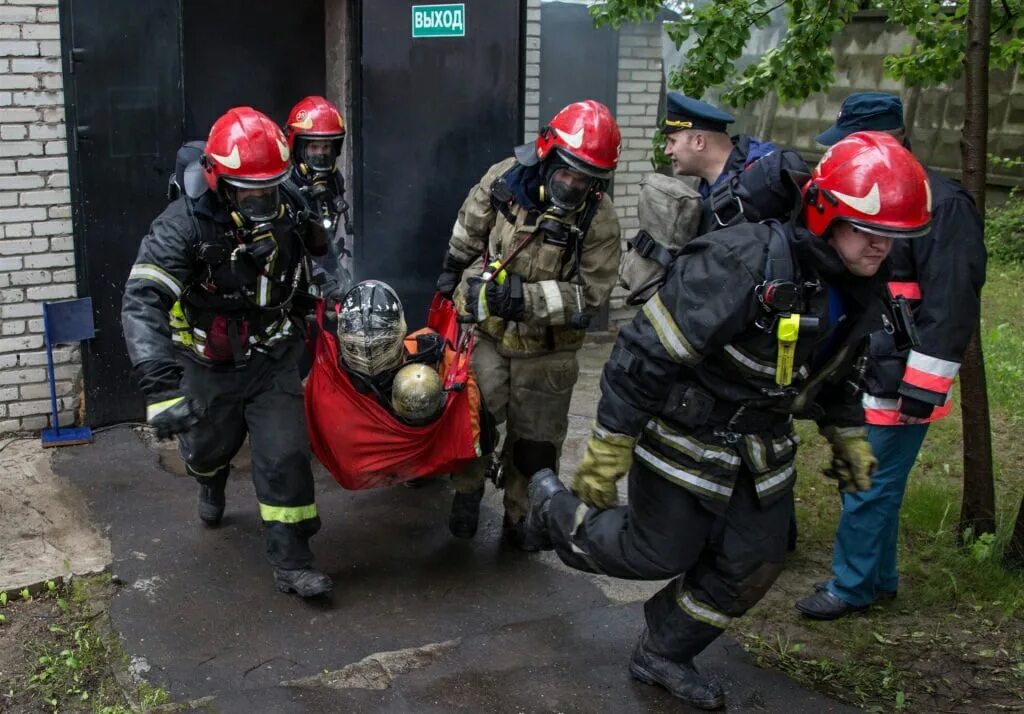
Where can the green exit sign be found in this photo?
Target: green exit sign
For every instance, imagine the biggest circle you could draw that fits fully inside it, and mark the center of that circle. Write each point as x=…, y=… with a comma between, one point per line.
x=439, y=20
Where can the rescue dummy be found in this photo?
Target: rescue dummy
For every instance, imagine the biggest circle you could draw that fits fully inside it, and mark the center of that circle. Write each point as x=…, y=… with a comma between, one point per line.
x=411, y=407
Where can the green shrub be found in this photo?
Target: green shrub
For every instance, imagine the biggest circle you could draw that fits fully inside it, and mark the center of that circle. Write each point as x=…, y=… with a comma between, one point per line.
x=1004, y=230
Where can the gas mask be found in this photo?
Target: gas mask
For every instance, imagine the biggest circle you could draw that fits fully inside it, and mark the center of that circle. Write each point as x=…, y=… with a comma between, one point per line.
x=255, y=205
x=318, y=155
x=565, y=191
x=566, y=188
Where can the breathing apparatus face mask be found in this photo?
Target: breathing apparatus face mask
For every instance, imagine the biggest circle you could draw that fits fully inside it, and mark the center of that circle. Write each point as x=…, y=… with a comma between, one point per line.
x=567, y=189
x=319, y=155
x=256, y=205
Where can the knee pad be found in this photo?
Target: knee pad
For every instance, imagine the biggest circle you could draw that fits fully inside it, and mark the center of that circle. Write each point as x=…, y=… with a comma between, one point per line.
x=529, y=457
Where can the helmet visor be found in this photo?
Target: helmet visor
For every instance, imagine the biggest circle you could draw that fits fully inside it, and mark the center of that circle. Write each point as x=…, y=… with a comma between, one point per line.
x=569, y=188
x=257, y=204
x=320, y=154
x=889, y=231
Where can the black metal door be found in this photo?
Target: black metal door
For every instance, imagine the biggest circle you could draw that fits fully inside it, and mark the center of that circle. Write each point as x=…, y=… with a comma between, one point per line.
x=433, y=114
x=577, y=61
x=267, y=54
x=124, y=125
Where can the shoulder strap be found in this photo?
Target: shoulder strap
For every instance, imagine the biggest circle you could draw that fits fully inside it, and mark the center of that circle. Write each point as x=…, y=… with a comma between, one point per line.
x=501, y=199
x=204, y=231
x=778, y=256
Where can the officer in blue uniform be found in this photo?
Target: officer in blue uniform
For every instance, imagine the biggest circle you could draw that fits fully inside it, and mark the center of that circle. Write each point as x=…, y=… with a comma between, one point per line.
x=698, y=142
x=908, y=386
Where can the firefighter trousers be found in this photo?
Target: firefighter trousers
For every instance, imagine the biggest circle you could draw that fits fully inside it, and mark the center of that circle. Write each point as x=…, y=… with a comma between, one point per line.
x=530, y=395
x=722, y=563
x=263, y=400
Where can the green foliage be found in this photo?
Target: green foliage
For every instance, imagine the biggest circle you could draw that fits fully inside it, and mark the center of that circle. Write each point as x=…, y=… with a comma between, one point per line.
x=802, y=63
x=1004, y=230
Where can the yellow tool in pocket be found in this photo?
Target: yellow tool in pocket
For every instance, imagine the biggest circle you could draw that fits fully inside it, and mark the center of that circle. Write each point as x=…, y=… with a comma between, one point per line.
x=787, y=332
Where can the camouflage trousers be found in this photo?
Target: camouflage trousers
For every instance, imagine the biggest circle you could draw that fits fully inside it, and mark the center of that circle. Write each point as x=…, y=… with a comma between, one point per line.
x=530, y=395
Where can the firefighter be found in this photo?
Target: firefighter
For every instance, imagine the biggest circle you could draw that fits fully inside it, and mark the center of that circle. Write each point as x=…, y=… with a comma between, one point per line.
x=536, y=248
x=939, y=279
x=698, y=143
x=756, y=324
x=212, y=317
x=316, y=131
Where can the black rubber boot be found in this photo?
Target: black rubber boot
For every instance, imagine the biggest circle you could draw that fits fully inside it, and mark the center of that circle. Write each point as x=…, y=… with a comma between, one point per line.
x=682, y=680
x=543, y=486
x=515, y=534
x=465, y=515
x=211, y=498
x=304, y=582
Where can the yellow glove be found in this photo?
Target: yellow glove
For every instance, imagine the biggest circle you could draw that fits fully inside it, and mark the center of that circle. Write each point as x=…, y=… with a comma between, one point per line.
x=853, y=462
x=608, y=459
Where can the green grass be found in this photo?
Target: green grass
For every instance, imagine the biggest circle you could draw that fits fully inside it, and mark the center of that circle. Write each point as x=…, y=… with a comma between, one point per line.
x=955, y=635
x=69, y=654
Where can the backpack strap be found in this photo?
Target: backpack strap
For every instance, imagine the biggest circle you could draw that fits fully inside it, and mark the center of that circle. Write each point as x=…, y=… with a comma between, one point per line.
x=725, y=204
x=501, y=199
x=646, y=247
x=779, y=263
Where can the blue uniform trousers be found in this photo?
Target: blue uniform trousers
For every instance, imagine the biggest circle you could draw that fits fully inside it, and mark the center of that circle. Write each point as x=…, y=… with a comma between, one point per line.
x=864, y=555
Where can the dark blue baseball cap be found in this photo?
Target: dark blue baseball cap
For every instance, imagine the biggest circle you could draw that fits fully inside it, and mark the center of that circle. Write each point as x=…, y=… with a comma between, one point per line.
x=683, y=112
x=864, y=111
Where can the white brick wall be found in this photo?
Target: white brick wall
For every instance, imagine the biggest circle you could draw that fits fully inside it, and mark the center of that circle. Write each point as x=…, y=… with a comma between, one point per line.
x=637, y=104
x=531, y=74
x=36, y=259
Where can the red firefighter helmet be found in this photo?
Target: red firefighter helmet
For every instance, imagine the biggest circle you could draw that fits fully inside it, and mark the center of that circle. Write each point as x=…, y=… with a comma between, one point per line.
x=314, y=117
x=245, y=149
x=584, y=135
x=870, y=180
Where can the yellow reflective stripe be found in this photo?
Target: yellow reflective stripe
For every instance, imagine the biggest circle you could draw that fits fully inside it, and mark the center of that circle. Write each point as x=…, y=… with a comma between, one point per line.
x=669, y=334
x=482, y=313
x=287, y=514
x=193, y=471
x=769, y=483
x=156, y=274
x=701, y=612
x=749, y=362
x=157, y=407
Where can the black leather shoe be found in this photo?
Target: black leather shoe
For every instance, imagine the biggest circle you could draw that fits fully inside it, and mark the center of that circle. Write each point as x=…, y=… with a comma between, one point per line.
x=880, y=595
x=823, y=605
x=211, y=500
x=682, y=680
x=543, y=486
x=465, y=514
x=304, y=582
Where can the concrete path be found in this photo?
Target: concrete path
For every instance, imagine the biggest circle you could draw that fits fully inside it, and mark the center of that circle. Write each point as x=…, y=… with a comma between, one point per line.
x=419, y=621
x=45, y=531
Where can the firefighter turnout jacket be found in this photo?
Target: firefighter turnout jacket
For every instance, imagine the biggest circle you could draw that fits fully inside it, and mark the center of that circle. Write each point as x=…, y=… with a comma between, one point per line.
x=197, y=289
x=483, y=233
x=941, y=276
x=694, y=375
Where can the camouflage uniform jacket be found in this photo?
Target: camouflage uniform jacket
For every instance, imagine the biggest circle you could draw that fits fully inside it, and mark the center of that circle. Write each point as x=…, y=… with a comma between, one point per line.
x=483, y=234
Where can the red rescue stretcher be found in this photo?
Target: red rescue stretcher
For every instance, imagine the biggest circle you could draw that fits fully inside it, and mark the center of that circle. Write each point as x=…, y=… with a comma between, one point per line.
x=363, y=445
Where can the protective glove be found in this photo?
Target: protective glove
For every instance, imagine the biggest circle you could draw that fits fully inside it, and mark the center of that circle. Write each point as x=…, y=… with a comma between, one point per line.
x=451, y=274
x=853, y=462
x=501, y=297
x=175, y=415
x=607, y=459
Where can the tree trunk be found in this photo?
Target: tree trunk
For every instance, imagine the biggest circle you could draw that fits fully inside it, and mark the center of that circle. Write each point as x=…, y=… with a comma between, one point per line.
x=978, y=507
x=1015, y=550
